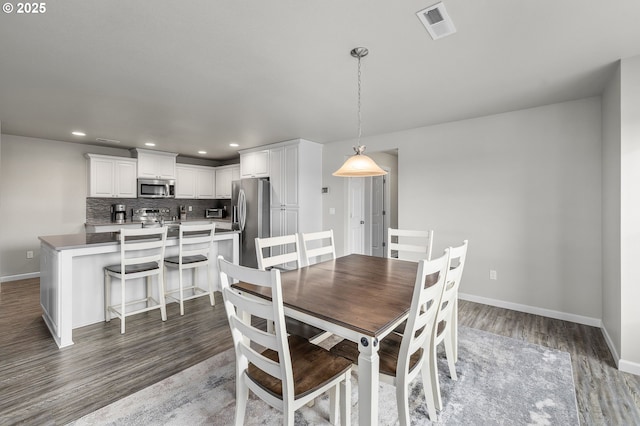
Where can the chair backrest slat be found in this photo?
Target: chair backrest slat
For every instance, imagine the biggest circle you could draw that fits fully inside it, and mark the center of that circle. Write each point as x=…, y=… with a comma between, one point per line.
x=405, y=240
x=450, y=293
x=142, y=245
x=195, y=239
x=282, y=247
x=247, y=333
x=311, y=240
x=425, y=304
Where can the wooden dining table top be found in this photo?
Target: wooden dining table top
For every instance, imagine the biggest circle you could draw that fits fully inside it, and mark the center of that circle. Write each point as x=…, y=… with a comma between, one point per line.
x=365, y=294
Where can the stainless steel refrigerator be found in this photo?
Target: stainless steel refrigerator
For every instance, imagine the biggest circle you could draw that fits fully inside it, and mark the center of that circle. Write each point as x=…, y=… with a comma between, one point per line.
x=250, y=201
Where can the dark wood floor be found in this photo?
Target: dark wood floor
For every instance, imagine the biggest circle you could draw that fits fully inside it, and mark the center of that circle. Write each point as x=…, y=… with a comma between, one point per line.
x=41, y=384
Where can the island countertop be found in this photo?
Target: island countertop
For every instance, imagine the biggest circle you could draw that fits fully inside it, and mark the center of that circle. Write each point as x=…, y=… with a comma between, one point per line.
x=86, y=240
x=72, y=276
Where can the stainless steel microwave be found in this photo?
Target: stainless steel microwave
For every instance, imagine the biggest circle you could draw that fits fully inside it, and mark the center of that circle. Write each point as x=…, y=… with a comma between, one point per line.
x=156, y=188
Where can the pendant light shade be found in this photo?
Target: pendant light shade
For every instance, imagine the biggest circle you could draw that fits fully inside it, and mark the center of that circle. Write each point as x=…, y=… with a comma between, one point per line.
x=359, y=165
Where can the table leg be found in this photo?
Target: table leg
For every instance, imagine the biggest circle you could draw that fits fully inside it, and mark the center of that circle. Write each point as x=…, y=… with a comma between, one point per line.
x=368, y=380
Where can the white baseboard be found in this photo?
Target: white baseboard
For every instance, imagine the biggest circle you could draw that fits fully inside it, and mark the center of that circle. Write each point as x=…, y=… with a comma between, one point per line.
x=612, y=347
x=579, y=319
x=623, y=365
x=629, y=367
x=19, y=277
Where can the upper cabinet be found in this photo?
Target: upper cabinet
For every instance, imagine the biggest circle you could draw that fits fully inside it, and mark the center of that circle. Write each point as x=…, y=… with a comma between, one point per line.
x=112, y=176
x=295, y=174
x=224, y=176
x=254, y=164
x=197, y=182
x=284, y=175
x=155, y=164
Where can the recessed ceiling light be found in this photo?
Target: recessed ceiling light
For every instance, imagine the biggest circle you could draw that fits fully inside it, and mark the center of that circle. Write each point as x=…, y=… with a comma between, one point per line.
x=150, y=144
x=78, y=133
x=202, y=152
x=234, y=145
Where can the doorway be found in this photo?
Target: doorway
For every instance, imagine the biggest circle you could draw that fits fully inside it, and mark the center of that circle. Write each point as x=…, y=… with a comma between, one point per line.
x=373, y=207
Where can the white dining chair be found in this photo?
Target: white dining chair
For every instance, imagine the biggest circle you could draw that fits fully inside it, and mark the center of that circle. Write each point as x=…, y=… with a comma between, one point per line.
x=141, y=256
x=318, y=245
x=402, y=357
x=287, y=255
x=446, y=330
x=287, y=372
x=194, y=251
x=283, y=251
x=410, y=244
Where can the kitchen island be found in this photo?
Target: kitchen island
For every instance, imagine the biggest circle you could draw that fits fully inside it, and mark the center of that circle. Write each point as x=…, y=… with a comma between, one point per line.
x=72, y=277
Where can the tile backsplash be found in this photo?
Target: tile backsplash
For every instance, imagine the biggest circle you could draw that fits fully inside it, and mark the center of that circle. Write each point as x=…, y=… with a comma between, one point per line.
x=99, y=209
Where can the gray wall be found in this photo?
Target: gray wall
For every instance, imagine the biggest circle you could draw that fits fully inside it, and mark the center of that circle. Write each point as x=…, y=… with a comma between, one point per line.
x=611, y=295
x=43, y=186
x=523, y=187
x=630, y=214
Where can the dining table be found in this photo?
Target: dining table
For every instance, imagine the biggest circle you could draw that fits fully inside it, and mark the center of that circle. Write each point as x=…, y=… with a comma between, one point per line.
x=356, y=297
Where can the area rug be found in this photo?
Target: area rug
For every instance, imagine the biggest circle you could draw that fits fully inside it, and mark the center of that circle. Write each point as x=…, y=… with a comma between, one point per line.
x=501, y=381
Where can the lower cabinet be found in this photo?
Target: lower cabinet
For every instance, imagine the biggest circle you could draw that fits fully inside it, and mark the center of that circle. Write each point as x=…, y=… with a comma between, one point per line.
x=284, y=221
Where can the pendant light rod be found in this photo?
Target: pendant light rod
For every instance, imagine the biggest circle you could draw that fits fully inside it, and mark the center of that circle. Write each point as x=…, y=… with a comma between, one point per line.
x=359, y=165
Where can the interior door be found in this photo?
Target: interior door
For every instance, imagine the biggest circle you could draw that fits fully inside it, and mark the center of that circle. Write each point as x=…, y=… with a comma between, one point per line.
x=377, y=215
x=356, y=215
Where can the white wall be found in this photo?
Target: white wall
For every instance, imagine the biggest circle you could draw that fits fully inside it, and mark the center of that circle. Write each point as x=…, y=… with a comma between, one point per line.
x=630, y=213
x=524, y=187
x=43, y=187
x=611, y=296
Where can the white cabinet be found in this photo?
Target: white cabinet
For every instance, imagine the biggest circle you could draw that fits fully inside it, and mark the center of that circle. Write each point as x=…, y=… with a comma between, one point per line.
x=254, y=164
x=155, y=164
x=196, y=182
x=224, y=176
x=295, y=174
x=205, y=182
x=185, y=181
x=284, y=176
x=112, y=176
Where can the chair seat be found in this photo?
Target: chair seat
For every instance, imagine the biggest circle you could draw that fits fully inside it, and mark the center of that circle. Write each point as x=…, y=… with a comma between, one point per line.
x=388, y=353
x=186, y=259
x=132, y=269
x=307, y=376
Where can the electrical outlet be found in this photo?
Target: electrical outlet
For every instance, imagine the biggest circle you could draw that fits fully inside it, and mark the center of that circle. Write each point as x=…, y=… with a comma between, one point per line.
x=493, y=274
x=29, y=254
x=190, y=208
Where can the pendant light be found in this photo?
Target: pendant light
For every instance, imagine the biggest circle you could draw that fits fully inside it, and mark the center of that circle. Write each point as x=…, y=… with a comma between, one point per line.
x=359, y=165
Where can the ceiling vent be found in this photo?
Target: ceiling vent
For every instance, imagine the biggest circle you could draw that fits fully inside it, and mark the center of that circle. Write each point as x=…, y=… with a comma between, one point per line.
x=437, y=21
x=103, y=140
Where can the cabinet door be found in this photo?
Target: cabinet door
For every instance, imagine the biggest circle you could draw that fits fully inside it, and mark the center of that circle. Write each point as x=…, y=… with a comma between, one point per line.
x=166, y=166
x=185, y=182
x=156, y=166
x=235, y=174
x=254, y=164
x=276, y=166
x=101, y=183
x=283, y=165
x=261, y=164
x=125, y=179
x=284, y=222
x=223, y=183
x=205, y=183
x=291, y=177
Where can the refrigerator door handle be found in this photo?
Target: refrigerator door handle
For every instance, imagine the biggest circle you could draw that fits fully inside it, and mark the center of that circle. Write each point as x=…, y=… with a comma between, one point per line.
x=242, y=209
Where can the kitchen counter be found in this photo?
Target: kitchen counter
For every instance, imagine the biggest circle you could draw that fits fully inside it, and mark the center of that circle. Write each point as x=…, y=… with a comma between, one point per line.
x=108, y=226
x=86, y=240
x=72, y=277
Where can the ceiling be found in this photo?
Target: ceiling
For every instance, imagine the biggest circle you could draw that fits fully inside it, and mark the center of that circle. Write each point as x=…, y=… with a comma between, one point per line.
x=200, y=74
